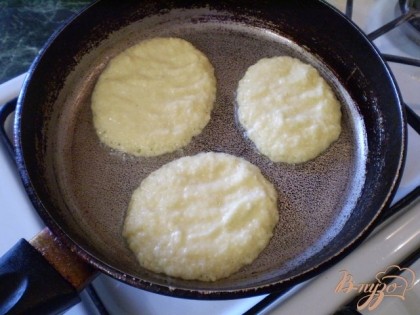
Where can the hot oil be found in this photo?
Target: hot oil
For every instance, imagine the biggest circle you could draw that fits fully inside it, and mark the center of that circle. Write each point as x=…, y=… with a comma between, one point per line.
x=315, y=198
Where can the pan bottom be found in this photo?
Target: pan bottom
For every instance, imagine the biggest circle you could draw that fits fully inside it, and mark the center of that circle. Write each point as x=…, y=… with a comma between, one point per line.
x=316, y=198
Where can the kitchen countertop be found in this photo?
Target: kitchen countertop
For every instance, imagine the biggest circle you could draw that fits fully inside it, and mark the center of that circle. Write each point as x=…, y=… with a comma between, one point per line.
x=25, y=26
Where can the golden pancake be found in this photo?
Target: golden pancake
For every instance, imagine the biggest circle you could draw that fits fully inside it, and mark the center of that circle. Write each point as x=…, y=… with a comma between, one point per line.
x=288, y=110
x=201, y=217
x=154, y=97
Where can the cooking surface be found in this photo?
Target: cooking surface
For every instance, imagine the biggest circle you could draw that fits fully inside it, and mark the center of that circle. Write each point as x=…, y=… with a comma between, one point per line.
x=102, y=181
x=105, y=285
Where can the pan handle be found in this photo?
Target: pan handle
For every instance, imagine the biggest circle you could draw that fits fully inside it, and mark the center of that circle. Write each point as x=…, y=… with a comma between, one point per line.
x=5, y=112
x=35, y=280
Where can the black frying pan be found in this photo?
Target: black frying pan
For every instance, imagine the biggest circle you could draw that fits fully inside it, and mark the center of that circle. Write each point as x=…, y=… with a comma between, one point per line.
x=327, y=206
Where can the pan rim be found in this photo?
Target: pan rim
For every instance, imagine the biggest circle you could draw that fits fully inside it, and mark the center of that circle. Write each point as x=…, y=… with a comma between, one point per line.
x=182, y=292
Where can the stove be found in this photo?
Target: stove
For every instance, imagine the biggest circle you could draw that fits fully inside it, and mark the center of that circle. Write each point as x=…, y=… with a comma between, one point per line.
x=340, y=289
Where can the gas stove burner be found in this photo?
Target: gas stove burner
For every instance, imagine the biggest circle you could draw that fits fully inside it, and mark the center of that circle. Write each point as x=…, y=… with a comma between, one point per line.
x=410, y=4
x=411, y=8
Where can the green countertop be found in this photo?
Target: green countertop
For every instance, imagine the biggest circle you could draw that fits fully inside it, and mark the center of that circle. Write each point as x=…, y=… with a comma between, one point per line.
x=25, y=26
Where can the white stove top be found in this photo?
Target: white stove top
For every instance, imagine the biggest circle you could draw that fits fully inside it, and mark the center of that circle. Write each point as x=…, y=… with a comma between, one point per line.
x=389, y=244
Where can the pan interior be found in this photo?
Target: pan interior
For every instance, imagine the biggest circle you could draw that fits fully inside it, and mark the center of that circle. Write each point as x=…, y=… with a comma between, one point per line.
x=315, y=198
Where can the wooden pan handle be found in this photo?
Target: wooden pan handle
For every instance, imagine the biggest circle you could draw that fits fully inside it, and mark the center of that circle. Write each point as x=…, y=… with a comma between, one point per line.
x=68, y=264
x=41, y=277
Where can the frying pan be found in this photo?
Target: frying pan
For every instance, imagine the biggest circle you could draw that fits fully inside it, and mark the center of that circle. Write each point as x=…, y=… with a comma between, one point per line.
x=327, y=206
